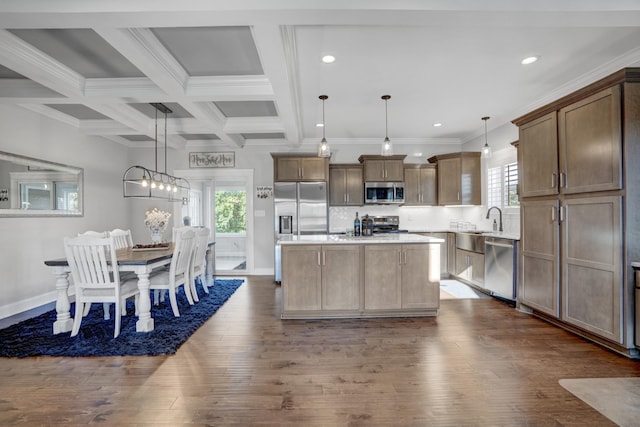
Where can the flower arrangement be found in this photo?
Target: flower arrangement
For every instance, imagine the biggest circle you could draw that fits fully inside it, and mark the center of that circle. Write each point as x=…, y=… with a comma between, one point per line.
x=156, y=220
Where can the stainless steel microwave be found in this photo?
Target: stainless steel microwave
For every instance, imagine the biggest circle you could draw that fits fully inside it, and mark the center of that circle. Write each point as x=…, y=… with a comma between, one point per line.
x=379, y=193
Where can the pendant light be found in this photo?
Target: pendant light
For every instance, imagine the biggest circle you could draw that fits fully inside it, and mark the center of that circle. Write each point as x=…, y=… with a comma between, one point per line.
x=486, y=150
x=387, y=147
x=143, y=183
x=323, y=147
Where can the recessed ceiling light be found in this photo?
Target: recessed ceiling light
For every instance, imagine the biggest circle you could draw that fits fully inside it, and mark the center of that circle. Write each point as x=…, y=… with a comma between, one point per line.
x=529, y=60
x=319, y=125
x=328, y=59
x=437, y=125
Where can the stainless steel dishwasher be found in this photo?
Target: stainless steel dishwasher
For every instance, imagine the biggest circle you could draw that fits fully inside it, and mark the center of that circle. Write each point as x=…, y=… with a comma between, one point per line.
x=500, y=263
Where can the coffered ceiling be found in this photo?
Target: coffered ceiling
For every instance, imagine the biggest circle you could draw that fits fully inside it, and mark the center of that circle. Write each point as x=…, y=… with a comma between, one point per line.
x=239, y=73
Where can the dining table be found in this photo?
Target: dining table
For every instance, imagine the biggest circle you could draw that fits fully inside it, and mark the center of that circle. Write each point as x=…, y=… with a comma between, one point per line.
x=140, y=261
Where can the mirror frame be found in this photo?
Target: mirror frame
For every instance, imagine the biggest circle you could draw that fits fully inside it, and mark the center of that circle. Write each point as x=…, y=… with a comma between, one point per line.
x=29, y=161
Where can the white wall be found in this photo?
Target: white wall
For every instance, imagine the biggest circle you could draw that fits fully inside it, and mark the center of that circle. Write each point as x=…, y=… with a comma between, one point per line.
x=27, y=242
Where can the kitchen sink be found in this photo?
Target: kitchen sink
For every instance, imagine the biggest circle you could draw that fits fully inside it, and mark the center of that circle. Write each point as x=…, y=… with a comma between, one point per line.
x=472, y=241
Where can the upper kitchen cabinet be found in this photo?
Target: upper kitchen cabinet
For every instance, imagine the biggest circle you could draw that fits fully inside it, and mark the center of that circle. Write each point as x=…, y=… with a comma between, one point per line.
x=297, y=167
x=590, y=143
x=420, y=185
x=576, y=149
x=459, y=181
x=383, y=168
x=345, y=185
x=538, y=157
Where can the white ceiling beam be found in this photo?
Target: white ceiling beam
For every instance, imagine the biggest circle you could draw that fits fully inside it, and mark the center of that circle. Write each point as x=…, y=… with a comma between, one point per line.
x=276, y=48
x=254, y=125
x=144, y=50
x=230, y=88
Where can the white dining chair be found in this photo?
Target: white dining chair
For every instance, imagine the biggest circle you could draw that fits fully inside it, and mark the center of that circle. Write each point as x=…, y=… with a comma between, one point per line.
x=198, y=262
x=122, y=238
x=94, y=269
x=105, y=306
x=179, y=271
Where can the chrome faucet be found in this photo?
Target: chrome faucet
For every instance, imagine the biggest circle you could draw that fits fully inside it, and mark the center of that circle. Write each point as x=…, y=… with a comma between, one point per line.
x=500, y=212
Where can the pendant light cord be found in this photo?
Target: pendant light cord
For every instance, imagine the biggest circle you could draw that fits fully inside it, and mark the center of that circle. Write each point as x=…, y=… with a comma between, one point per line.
x=323, y=123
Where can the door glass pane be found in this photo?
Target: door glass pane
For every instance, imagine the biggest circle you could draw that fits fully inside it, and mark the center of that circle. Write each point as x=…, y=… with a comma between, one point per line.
x=230, y=226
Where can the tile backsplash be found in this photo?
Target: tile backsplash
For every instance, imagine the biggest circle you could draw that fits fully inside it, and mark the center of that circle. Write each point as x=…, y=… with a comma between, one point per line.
x=424, y=218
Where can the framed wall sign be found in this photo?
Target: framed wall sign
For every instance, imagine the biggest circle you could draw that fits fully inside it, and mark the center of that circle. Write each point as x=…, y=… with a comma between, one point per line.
x=212, y=160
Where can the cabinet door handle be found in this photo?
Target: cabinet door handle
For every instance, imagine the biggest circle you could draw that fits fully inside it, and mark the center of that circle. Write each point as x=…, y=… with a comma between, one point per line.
x=554, y=184
x=562, y=215
x=348, y=198
x=301, y=172
x=563, y=180
x=319, y=258
x=458, y=196
x=553, y=214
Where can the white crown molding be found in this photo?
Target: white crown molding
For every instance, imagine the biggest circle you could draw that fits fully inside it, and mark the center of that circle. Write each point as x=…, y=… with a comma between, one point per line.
x=38, y=66
x=630, y=58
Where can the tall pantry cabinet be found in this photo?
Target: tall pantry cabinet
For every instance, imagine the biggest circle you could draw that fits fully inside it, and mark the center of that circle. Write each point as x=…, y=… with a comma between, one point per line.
x=579, y=194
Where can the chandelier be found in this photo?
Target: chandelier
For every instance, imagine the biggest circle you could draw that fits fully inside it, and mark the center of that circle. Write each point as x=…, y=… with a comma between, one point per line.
x=143, y=183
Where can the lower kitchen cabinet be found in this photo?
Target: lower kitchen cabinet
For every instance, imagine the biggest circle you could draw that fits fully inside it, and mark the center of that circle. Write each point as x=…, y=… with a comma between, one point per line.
x=582, y=287
x=592, y=265
x=444, y=255
x=401, y=276
x=326, y=277
x=540, y=262
x=341, y=277
x=302, y=265
x=470, y=266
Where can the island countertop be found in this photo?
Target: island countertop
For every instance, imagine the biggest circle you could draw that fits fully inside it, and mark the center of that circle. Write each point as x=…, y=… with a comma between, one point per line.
x=331, y=239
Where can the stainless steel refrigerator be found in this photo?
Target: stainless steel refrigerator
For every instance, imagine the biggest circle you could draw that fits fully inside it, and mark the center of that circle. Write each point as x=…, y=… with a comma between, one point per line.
x=300, y=208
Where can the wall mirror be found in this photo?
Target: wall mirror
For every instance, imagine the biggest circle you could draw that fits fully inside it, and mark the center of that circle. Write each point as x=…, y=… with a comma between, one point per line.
x=34, y=187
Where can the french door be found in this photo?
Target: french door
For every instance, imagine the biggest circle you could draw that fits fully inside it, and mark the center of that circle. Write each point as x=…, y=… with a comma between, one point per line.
x=222, y=200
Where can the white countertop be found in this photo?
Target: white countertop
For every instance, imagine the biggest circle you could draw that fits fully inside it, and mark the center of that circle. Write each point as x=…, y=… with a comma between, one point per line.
x=503, y=235
x=344, y=239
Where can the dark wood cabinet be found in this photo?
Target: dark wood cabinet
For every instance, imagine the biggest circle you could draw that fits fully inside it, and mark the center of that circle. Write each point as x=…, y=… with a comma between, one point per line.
x=459, y=178
x=420, y=186
x=579, y=191
x=299, y=168
x=383, y=168
x=345, y=185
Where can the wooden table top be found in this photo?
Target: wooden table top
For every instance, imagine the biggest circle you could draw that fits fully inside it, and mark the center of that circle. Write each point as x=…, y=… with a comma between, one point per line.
x=127, y=256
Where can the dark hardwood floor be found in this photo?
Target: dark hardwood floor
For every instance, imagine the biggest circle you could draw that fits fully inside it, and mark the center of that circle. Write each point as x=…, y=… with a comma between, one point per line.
x=479, y=363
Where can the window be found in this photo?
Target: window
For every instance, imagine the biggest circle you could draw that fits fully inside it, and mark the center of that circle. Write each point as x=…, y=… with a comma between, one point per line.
x=502, y=184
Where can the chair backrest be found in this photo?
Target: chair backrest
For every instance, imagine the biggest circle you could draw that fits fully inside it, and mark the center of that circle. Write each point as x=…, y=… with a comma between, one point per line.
x=89, y=259
x=94, y=233
x=177, y=230
x=182, y=253
x=202, y=241
x=121, y=238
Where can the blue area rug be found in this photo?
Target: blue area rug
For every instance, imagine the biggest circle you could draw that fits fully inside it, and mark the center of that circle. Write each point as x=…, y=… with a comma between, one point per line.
x=34, y=337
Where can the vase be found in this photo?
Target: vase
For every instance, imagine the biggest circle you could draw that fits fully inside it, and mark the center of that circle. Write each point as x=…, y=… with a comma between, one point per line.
x=156, y=236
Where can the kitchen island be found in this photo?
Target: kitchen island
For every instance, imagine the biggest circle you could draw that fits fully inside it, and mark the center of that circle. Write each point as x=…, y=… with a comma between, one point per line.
x=338, y=276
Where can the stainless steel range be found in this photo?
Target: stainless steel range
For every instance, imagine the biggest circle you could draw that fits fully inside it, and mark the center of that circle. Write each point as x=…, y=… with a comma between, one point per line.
x=386, y=224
